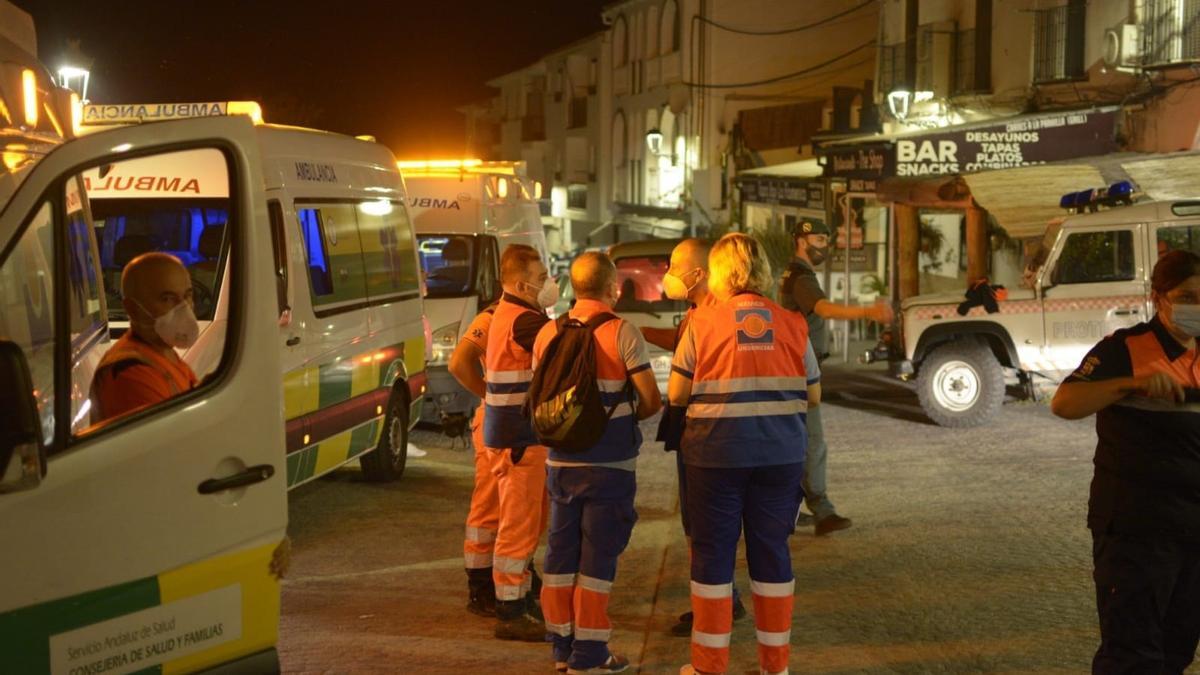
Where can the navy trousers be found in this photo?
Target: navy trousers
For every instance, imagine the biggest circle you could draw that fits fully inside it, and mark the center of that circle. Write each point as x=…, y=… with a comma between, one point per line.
x=1148, y=599
x=591, y=520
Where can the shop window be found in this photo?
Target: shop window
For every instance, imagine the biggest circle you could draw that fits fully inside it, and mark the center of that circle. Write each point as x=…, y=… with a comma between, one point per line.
x=1095, y=257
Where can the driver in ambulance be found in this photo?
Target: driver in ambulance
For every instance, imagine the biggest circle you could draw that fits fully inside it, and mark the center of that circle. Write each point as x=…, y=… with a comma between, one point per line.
x=142, y=368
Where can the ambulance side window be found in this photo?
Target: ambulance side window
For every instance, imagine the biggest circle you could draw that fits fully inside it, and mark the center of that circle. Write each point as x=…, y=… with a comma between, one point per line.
x=1095, y=257
x=27, y=307
x=335, y=257
x=388, y=251
x=489, y=270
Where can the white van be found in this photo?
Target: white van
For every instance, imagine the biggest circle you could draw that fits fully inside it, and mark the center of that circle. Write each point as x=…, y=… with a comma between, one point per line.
x=351, y=333
x=151, y=541
x=641, y=266
x=465, y=213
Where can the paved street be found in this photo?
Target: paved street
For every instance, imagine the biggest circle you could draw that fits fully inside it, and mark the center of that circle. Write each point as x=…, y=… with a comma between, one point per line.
x=969, y=553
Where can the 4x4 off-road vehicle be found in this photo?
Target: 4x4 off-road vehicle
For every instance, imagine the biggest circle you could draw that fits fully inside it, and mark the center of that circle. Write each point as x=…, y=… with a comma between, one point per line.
x=1090, y=278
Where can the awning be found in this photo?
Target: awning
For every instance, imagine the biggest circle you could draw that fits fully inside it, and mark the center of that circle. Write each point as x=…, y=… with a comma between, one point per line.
x=805, y=168
x=656, y=221
x=1024, y=199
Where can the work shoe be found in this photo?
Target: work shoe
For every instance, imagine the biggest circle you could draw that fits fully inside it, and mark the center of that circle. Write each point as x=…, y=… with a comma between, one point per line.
x=831, y=523
x=560, y=666
x=804, y=519
x=482, y=604
x=523, y=628
x=684, y=627
x=614, y=664
x=533, y=607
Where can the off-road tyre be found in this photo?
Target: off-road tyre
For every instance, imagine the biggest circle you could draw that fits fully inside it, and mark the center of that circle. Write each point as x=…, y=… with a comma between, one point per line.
x=961, y=384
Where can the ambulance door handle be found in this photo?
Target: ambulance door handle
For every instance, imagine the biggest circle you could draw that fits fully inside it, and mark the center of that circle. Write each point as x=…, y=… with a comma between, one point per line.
x=1127, y=311
x=293, y=341
x=252, y=475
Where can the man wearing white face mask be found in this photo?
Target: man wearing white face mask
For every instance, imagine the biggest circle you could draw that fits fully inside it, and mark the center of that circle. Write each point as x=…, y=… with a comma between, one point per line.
x=521, y=466
x=142, y=368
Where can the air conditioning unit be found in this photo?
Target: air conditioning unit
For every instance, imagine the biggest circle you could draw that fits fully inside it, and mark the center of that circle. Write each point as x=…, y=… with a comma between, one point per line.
x=1123, y=47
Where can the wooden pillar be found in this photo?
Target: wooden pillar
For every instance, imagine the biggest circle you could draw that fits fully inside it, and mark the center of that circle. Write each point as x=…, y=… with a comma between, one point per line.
x=907, y=248
x=977, y=243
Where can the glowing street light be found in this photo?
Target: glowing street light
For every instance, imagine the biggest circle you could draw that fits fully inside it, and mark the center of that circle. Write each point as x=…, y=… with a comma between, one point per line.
x=74, y=78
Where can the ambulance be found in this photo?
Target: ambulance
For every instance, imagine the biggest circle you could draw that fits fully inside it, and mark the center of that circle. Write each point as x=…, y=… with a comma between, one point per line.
x=351, y=327
x=465, y=212
x=155, y=541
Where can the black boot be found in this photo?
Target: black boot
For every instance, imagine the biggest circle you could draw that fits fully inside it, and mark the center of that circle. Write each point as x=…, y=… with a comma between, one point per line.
x=533, y=599
x=513, y=622
x=481, y=592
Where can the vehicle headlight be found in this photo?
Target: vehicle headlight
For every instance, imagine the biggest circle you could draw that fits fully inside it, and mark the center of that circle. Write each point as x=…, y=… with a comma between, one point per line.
x=445, y=339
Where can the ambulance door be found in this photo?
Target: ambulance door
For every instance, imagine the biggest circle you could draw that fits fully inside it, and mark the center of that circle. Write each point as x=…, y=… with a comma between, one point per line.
x=145, y=541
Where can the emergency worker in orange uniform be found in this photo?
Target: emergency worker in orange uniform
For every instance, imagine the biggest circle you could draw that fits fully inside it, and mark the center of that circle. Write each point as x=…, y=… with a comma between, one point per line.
x=142, y=368
x=521, y=466
x=592, y=491
x=1144, y=508
x=466, y=365
x=740, y=372
x=687, y=280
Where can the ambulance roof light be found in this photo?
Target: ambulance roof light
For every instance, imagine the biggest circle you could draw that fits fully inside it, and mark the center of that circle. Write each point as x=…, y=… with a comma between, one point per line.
x=433, y=164
x=249, y=108
x=29, y=96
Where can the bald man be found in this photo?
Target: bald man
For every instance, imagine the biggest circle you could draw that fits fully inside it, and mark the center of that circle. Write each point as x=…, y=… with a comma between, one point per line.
x=142, y=368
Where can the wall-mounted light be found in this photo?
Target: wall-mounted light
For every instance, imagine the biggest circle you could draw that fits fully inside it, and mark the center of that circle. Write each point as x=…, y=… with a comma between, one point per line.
x=654, y=141
x=75, y=78
x=899, y=102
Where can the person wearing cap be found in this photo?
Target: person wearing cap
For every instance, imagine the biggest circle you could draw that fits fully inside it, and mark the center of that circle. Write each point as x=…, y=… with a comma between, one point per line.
x=1144, y=507
x=801, y=292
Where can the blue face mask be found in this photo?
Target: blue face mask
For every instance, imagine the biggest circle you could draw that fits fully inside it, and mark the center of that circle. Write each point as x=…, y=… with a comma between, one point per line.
x=1186, y=319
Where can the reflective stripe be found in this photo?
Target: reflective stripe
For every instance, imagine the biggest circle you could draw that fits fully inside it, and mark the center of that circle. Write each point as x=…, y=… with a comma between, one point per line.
x=597, y=634
x=736, y=384
x=506, y=592
x=508, y=376
x=594, y=584
x=510, y=565
x=506, y=399
x=755, y=409
x=622, y=410
x=558, y=580
x=563, y=629
x=480, y=535
x=477, y=561
x=774, y=639
x=712, y=591
x=773, y=590
x=713, y=640
x=610, y=386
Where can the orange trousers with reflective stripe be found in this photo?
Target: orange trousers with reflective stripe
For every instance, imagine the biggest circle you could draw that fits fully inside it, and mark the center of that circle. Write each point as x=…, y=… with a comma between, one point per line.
x=524, y=510
x=483, y=520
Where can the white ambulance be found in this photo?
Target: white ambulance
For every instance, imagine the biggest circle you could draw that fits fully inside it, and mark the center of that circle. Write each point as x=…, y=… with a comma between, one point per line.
x=465, y=212
x=351, y=335
x=153, y=541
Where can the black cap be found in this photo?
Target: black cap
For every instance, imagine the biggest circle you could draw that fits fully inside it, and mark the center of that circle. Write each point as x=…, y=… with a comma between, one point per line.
x=806, y=227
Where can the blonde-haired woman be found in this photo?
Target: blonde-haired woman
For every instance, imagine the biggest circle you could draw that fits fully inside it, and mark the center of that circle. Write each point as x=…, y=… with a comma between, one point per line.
x=746, y=374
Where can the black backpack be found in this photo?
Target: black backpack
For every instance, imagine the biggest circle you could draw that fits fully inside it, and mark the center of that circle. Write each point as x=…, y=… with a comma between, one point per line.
x=564, y=400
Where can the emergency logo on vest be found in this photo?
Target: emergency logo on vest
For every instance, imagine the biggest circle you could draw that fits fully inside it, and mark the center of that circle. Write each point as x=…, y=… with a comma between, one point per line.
x=754, y=329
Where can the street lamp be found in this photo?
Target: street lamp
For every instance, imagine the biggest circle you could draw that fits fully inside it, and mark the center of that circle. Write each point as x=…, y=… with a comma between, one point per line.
x=898, y=103
x=654, y=141
x=75, y=79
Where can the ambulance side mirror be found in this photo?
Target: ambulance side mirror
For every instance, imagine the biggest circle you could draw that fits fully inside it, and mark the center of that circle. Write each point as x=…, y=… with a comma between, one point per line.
x=22, y=460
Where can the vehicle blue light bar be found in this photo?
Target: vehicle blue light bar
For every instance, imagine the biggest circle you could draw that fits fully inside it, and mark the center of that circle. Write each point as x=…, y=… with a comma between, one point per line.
x=1120, y=192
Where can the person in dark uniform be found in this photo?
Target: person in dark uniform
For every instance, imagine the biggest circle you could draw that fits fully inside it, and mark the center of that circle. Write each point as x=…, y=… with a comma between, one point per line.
x=1144, y=508
x=801, y=292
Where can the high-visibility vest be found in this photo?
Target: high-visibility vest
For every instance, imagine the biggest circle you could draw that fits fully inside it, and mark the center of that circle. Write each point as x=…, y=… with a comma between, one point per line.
x=749, y=391
x=622, y=437
x=507, y=373
x=177, y=377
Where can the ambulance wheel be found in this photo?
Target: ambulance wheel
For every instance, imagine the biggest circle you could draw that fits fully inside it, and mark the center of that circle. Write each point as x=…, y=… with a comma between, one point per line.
x=386, y=462
x=961, y=385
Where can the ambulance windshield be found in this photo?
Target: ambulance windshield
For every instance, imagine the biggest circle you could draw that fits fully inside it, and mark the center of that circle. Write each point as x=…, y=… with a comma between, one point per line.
x=449, y=265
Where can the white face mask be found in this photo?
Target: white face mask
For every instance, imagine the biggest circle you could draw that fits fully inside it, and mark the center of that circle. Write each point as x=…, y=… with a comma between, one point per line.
x=675, y=288
x=1186, y=319
x=178, y=327
x=548, y=294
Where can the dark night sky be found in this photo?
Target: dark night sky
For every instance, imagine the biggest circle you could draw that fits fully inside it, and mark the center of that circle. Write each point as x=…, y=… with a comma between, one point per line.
x=392, y=69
